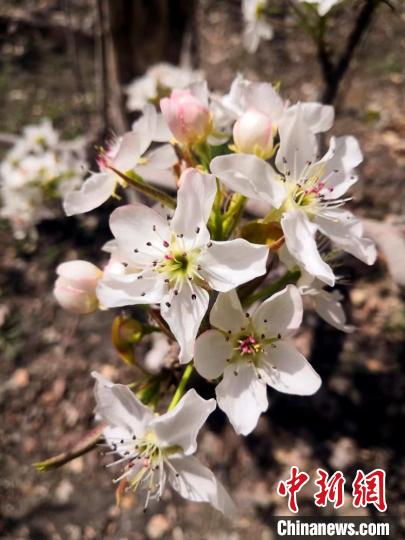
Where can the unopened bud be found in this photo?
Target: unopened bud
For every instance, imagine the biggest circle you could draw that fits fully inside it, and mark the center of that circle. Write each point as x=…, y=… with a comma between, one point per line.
x=253, y=134
x=188, y=118
x=75, y=288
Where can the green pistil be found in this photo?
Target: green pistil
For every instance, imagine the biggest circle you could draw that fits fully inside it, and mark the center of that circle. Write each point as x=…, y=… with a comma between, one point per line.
x=179, y=265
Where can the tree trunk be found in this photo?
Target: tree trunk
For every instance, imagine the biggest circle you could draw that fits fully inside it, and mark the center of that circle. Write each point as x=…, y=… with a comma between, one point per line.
x=136, y=34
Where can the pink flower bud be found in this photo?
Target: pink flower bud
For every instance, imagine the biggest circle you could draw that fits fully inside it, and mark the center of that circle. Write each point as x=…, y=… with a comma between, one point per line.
x=188, y=118
x=253, y=134
x=75, y=288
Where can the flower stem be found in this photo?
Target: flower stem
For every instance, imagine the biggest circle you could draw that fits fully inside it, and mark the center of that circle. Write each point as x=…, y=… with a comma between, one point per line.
x=182, y=386
x=216, y=214
x=89, y=442
x=291, y=276
x=137, y=182
x=233, y=214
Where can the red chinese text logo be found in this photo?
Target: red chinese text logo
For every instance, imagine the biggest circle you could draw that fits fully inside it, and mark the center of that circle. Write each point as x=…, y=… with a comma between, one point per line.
x=367, y=489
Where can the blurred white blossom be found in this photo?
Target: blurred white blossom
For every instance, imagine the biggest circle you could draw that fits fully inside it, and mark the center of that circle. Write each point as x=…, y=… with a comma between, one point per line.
x=158, y=81
x=257, y=27
x=39, y=170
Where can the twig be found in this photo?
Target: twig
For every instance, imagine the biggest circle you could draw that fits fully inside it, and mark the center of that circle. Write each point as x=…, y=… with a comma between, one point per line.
x=146, y=189
x=89, y=442
x=334, y=77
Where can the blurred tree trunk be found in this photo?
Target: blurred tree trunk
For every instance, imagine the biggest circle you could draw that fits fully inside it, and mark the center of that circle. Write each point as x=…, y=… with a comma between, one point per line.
x=136, y=34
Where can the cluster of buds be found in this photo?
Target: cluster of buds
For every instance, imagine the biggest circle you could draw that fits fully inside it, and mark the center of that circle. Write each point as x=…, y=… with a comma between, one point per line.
x=192, y=261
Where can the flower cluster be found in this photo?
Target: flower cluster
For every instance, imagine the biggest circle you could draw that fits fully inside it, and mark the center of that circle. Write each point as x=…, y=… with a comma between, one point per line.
x=38, y=170
x=228, y=290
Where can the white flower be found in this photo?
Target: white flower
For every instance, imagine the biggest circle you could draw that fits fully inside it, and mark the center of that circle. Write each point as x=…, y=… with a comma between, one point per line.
x=312, y=198
x=159, y=80
x=251, y=352
x=323, y=6
x=256, y=25
x=174, y=262
x=158, y=449
x=124, y=154
x=247, y=95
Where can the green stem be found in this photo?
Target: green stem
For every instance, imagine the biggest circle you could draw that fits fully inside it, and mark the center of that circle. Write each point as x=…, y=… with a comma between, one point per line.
x=137, y=182
x=233, y=215
x=182, y=386
x=291, y=276
x=216, y=217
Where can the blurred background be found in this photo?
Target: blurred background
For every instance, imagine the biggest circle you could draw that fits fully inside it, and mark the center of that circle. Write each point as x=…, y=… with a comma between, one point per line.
x=71, y=61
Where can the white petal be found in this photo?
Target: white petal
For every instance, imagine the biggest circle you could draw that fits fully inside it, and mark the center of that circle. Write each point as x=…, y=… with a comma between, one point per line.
x=194, y=202
x=158, y=167
x=197, y=483
x=299, y=235
x=318, y=117
x=130, y=150
x=251, y=176
x=136, y=225
x=199, y=89
x=337, y=164
x=346, y=232
x=242, y=397
x=329, y=308
x=180, y=426
x=156, y=176
x=210, y=354
x=162, y=133
x=298, y=146
x=183, y=313
x=226, y=265
x=282, y=311
x=116, y=291
x=119, y=407
x=145, y=127
x=251, y=38
x=96, y=189
x=286, y=258
x=227, y=313
x=293, y=373
x=263, y=97
x=163, y=157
